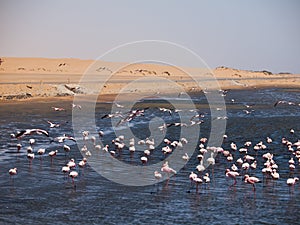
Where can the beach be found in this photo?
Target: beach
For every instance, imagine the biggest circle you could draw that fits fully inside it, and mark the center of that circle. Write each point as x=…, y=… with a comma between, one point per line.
x=24, y=79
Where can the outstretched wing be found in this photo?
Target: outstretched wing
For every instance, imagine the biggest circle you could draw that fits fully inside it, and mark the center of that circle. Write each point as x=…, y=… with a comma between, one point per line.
x=40, y=131
x=20, y=134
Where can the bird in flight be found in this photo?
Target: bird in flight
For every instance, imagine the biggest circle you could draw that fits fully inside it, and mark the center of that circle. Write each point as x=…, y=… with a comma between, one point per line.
x=58, y=109
x=53, y=125
x=30, y=132
x=76, y=106
x=61, y=139
x=284, y=102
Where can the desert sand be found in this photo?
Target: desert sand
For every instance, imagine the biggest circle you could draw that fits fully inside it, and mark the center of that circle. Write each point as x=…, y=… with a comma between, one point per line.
x=25, y=79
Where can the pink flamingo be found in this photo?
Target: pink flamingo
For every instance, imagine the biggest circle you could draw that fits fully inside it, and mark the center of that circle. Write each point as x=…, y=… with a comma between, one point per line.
x=73, y=175
x=52, y=154
x=232, y=175
x=71, y=163
x=144, y=160
x=65, y=170
x=12, y=172
x=251, y=180
x=19, y=146
x=30, y=156
x=157, y=176
x=198, y=181
x=291, y=182
x=167, y=169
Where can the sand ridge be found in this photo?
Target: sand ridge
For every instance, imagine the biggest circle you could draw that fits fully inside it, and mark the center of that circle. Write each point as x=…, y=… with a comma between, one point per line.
x=27, y=78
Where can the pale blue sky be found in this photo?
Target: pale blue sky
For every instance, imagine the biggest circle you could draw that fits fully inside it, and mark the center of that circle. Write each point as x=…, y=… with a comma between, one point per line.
x=250, y=34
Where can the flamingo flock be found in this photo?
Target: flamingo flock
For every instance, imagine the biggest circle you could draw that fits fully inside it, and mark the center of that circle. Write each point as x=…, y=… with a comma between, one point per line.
x=252, y=163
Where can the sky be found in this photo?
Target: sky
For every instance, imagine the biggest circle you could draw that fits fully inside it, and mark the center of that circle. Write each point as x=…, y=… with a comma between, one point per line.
x=248, y=34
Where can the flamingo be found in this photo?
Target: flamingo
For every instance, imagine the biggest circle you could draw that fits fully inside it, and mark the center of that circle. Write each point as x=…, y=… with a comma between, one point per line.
x=76, y=106
x=71, y=163
x=31, y=141
x=65, y=170
x=30, y=132
x=232, y=175
x=52, y=154
x=66, y=149
x=206, y=178
x=30, y=156
x=53, y=125
x=147, y=152
x=105, y=148
x=275, y=174
x=58, y=109
x=251, y=180
x=167, y=169
x=192, y=176
x=41, y=151
x=73, y=175
x=12, y=172
x=292, y=181
x=82, y=163
x=29, y=149
x=157, y=176
x=234, y=168
x=144, y=159
x=185, y=157
x=101, y=133
x=211, y=161
x=198, y=181
x=19, y=146
x=200, y=167
x=269, y=140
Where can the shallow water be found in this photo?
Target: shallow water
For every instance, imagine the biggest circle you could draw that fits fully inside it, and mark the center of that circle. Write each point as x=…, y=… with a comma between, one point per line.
x=41, y=194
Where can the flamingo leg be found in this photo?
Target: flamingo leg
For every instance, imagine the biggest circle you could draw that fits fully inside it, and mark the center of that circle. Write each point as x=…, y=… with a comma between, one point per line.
x=234, y=182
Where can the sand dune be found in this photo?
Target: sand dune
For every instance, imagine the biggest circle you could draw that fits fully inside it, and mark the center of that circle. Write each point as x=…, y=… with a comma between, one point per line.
x=27, y=78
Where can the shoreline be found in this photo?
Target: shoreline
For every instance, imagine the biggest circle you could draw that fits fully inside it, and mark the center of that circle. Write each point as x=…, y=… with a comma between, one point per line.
x=109, y=98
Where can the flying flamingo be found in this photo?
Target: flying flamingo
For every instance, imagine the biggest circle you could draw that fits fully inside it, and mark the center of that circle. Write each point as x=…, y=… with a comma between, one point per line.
x=53, y=125
x=30, y=132
x=58, y=109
